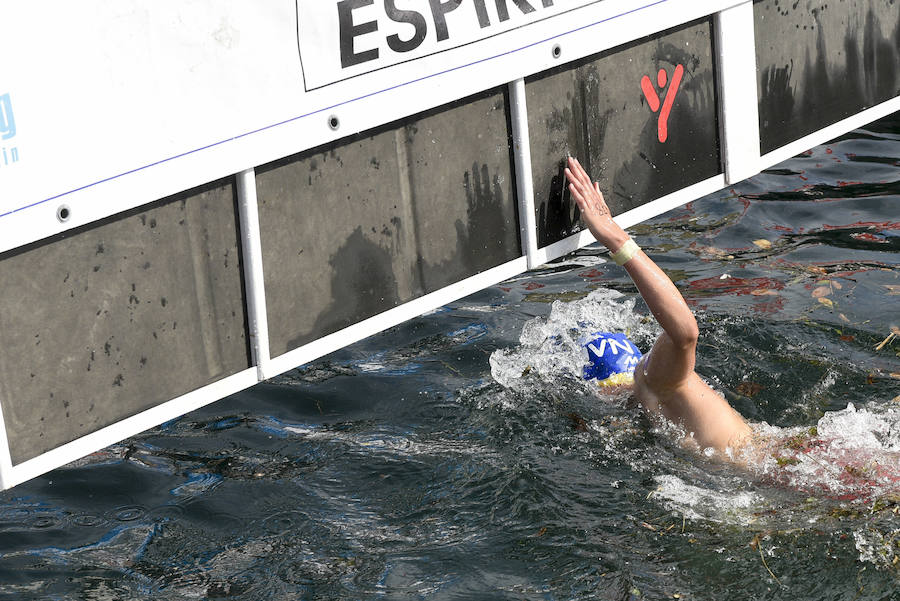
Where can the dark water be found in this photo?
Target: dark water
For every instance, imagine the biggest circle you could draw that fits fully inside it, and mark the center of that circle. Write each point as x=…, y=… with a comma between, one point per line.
x=448, y=459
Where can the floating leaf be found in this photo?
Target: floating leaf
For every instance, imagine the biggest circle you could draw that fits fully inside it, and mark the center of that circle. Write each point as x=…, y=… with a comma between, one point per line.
x=763, y=243
x=844, y=318
x=749, y=389
x=856, y=472
x=712, y=250
x=836, y=285
x=578, y=423
x=848, y=338
x=827, y=302
x=763, y=292
x=893, y=289
x=821, y=291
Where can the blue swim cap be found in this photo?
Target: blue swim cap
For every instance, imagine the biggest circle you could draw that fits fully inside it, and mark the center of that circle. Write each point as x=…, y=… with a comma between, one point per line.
x=610, y=354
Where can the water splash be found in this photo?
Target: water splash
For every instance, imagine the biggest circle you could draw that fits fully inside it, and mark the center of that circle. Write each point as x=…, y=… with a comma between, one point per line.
x=850, y=455
x=791, y=479
x=879, y=548
x=551, y=349
x=716, y=505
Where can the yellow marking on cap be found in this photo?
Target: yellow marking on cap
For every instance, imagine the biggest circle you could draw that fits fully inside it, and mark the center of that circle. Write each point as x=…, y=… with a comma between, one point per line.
x=621, y=379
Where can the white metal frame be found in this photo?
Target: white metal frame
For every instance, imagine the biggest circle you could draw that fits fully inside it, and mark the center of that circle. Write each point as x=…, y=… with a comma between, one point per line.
x=524, y=180
x=738, y=105
x=254, y=281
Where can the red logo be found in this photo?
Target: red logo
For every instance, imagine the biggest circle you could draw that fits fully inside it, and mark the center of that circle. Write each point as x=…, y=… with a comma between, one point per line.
x=653, y=98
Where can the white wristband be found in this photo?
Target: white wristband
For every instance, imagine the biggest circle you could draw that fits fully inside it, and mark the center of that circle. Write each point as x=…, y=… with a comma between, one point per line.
x=625, y=253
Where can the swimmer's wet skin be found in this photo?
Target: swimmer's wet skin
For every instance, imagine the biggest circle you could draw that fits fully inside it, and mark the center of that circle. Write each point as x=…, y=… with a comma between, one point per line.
x=665, y=382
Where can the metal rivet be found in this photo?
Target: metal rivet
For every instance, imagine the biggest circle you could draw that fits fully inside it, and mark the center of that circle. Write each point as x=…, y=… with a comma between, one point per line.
x=333, y=122
x=557, y=51
x=63, y=212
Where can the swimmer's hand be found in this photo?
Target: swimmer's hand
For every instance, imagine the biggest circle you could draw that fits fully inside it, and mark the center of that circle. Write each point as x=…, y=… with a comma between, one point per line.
x=593, y=208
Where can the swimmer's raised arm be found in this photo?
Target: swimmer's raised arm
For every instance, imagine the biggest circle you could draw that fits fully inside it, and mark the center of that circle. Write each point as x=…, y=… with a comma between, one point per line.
x=679, y=340
x=667, y=383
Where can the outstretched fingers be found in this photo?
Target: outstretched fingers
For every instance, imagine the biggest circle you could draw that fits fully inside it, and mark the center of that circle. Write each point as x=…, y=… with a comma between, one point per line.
x=587, y=194
x=579, y=185
x=577, y=175
x=577, y=195
x=585, y=203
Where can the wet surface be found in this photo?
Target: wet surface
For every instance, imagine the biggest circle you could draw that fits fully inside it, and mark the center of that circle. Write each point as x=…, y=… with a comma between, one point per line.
x=456, y=457
x=641, y=137
x=119, y=316
x=819, y=63
x=385, y=216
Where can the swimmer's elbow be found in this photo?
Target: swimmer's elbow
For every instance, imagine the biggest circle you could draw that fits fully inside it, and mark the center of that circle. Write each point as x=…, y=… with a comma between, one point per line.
x=687, y=335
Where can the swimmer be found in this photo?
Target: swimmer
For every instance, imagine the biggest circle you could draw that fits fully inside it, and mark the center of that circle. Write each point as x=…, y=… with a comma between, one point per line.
x=665, y=382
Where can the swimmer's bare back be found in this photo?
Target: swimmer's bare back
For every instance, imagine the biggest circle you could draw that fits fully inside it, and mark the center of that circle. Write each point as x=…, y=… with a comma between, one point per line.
x=665, y=382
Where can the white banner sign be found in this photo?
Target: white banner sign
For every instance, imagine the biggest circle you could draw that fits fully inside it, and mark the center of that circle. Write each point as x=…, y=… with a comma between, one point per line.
x=341, y=39
x=106, y=106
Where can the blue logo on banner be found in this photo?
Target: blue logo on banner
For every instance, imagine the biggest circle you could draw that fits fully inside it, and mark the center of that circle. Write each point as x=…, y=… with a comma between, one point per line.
x=8, y=155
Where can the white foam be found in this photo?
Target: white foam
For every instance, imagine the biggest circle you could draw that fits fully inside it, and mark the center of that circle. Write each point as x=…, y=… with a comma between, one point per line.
x=694, y=502
x=551, y=348
x=852, y=454
x=878, y=548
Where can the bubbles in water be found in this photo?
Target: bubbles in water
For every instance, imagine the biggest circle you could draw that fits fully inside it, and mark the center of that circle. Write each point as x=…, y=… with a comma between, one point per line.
x=879, y=548
x=128, y=513
x=44, y=521
x=88, y=520
x=862, y=429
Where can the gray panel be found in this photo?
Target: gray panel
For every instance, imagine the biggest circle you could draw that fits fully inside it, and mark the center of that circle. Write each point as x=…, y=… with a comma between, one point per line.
x=819, y=63
x=382, y=218
x=119, y=317
x=596, y=110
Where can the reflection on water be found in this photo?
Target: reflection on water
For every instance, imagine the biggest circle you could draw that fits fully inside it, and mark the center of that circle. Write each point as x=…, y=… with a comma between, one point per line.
x=456, y=456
